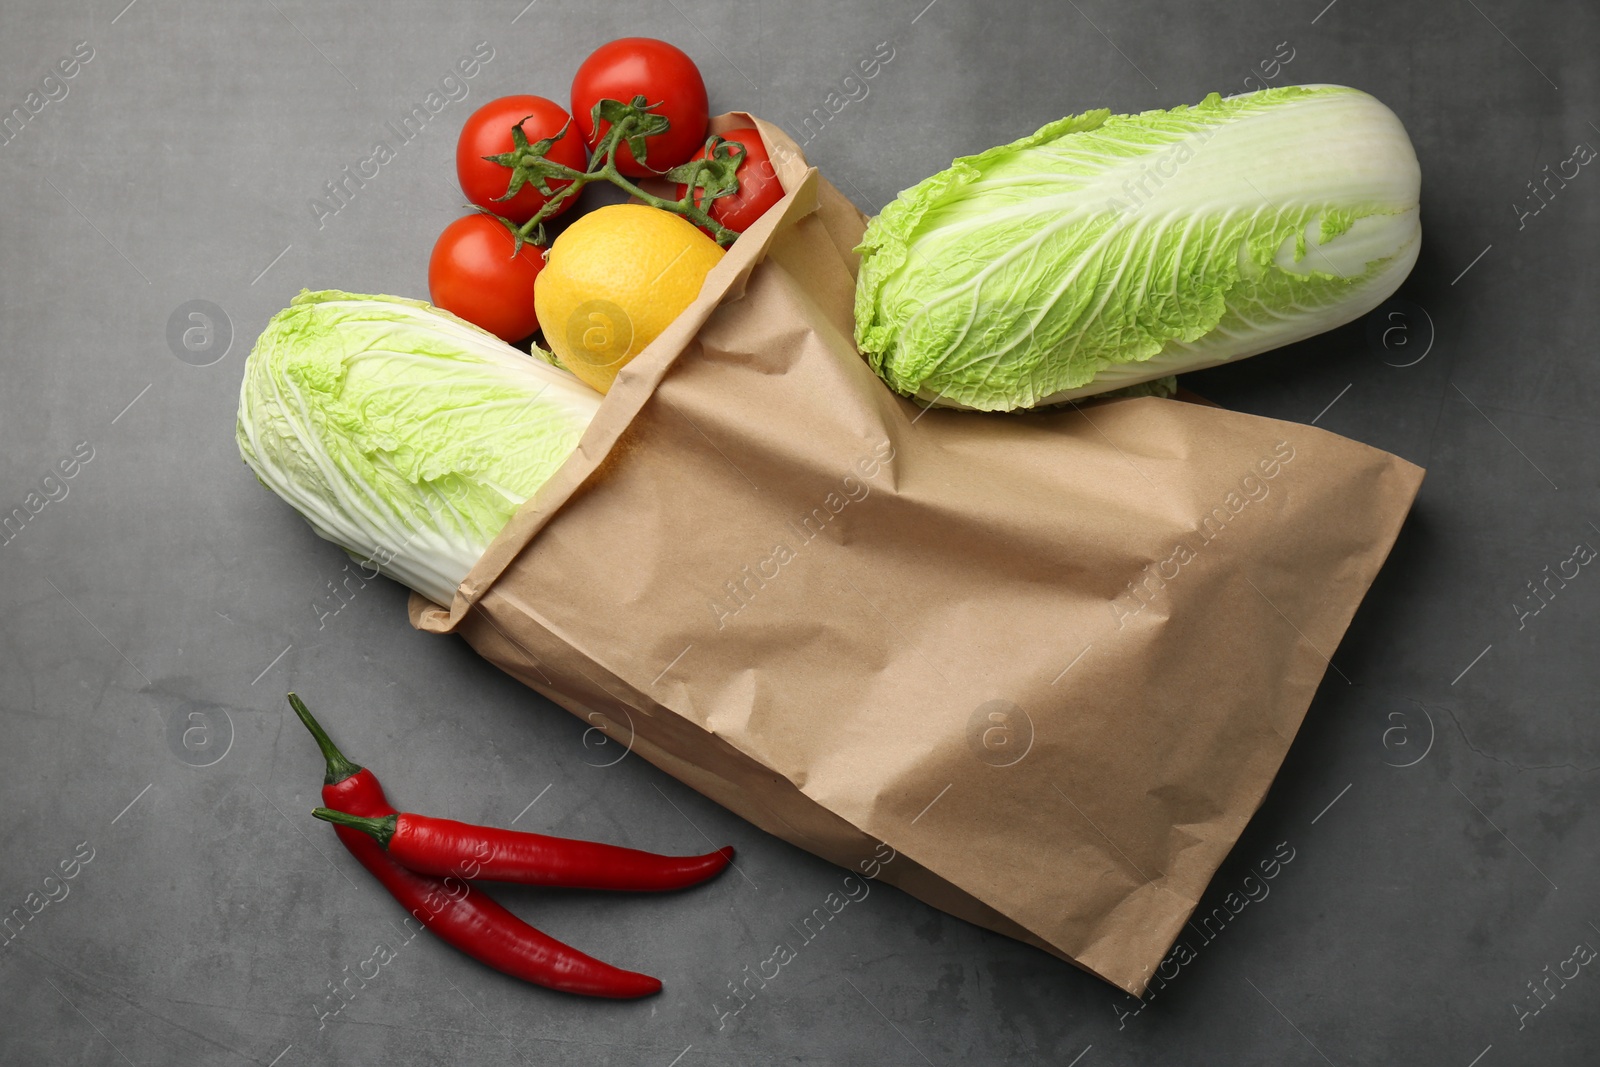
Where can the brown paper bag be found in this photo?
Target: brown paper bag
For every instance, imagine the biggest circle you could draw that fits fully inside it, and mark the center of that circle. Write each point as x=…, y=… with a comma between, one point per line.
x=1053, y=660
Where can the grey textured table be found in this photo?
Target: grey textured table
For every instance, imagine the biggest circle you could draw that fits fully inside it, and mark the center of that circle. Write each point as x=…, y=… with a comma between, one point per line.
x=1439, y=804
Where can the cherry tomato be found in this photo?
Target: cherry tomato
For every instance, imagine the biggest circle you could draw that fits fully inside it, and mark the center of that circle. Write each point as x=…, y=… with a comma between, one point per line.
x=472, y=273
x=759, y=187
x=488, y=133
x=662, y=74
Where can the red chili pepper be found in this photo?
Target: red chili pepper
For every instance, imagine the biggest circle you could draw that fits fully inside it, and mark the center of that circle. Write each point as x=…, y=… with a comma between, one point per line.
x=461, y=916
x=444, y=846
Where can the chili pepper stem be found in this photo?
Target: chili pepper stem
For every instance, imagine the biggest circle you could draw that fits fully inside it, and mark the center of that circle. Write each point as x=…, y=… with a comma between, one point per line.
x=380, y=829
x=339, y=768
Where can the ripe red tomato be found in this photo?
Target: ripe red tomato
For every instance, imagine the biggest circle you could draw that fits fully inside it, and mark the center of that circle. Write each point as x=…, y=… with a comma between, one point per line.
x=472, y=273
x=662, y=74
x=488, y=133
x=759, y=187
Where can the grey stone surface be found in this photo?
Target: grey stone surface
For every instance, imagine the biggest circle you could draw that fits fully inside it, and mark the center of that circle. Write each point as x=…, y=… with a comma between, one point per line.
x=1440, y=805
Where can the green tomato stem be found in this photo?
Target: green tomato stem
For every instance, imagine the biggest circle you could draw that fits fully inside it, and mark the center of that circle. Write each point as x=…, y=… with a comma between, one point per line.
x=605, y=153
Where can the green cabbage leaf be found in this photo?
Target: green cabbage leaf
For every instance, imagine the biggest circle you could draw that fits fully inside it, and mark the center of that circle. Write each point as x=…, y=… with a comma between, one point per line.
x=1109, y=250
x=401, y=433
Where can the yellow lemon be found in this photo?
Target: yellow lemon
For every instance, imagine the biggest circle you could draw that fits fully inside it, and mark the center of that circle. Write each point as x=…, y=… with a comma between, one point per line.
x=613, y=281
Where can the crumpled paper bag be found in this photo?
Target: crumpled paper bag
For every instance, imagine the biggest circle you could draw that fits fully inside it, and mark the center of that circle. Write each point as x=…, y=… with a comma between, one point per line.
x=1052, y=659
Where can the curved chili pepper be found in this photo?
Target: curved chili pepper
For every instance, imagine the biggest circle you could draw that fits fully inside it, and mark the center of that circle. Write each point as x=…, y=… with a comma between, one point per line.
x=444, y=846
x=462, y=917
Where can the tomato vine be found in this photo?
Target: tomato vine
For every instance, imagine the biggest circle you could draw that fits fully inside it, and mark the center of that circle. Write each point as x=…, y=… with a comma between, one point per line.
x=706, y=178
